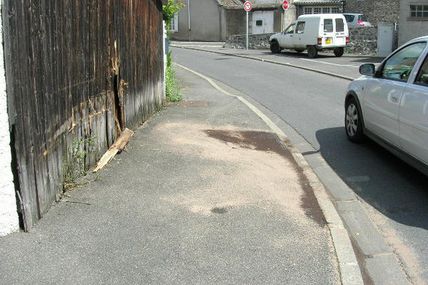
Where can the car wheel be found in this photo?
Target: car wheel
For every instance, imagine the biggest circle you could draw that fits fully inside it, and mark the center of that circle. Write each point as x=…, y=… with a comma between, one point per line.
x=338, y=51
x=312, y=51
x=353, y=121
x=299, y=50
x=274, y=47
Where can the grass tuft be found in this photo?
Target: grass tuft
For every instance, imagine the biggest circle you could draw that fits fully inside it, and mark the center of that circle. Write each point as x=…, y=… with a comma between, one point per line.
x=172, y=88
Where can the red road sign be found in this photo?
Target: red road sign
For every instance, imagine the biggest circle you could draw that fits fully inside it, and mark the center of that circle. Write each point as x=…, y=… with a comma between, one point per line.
x=285, y=5
x=248, y=6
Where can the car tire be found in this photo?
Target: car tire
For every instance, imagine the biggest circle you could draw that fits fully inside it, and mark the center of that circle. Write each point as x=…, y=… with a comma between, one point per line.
x=338, y=52
x=299, y=50
x=312, y=52
x=354, y=121
x=274, y=47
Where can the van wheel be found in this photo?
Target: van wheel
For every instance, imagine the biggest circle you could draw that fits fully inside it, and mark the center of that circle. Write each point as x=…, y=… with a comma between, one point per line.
x=312, y=51
x=299, y=50
x=274, y=47
x=338, y=51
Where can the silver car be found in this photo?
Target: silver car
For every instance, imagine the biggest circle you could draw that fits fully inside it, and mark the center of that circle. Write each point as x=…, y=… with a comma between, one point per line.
x=390, y=104
x=356, y=20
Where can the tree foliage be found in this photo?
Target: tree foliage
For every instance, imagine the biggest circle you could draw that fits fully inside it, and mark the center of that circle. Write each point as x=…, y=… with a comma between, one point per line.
x=170, y=9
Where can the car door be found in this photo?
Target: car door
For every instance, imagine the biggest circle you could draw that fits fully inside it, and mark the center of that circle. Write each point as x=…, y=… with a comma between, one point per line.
x=299, y=35
x=413, y=118
x=287, y=37
x=328, y=32
x=341, y=32
x=384, y=92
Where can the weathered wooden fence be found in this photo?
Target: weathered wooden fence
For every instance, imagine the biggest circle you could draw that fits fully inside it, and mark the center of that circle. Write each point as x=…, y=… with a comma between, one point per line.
x=78, y=72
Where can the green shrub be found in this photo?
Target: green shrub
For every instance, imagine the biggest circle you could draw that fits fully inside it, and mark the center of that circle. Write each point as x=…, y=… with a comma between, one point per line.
x=172, y=88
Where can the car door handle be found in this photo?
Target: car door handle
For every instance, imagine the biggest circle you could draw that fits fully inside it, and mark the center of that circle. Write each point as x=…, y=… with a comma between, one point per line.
x=394, y=99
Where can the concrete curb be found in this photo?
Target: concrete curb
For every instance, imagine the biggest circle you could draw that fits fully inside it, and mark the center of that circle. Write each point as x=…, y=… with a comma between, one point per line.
x=350, y=272
x=268, y=61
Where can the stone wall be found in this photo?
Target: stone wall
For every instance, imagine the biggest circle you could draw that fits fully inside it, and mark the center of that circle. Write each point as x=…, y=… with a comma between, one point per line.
x=8, y=211
x=260, y=41
x=376, y=11
x=363, y=41
x=235, y=22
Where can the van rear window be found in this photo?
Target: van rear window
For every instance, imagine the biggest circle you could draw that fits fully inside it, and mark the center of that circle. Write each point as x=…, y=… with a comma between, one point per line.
x=340, y=26
x=328, y=25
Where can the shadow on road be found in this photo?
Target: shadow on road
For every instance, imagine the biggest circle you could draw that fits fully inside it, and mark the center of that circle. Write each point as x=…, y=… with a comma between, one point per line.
x=290, y=53
x=367, y=60
x=391, y=186
x=325, y=55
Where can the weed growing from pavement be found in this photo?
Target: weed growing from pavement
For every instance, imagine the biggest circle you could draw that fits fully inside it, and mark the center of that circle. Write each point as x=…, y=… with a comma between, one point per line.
x=172, y=89
x=74, y=166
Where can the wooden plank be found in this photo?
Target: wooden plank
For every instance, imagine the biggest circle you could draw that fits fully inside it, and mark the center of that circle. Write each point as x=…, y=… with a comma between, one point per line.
x=118, y=146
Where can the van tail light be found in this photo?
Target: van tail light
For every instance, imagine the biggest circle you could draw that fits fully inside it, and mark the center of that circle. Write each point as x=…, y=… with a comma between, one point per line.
x=319, y=41
x=348, y=40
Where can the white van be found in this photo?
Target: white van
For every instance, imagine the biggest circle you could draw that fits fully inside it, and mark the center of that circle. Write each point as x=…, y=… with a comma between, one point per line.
x=313, y=33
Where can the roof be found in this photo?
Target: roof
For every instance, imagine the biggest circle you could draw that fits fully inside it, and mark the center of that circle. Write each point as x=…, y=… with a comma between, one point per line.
x=257, y=4
x=230, y=4
x=318, y=2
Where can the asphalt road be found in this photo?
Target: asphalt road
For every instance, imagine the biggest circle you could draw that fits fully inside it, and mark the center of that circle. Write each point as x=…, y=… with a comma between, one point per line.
x=394, y=194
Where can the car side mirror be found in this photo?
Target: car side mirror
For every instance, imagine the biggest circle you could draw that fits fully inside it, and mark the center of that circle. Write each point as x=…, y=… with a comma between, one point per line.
x=368, y=69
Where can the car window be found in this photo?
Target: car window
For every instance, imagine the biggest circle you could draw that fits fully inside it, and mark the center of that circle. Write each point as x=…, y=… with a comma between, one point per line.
x=328, y=25
x=349, y=18
x=340, y=25
x=422, y=77
x=290, y=29
x=300, y=28
x=400, y=65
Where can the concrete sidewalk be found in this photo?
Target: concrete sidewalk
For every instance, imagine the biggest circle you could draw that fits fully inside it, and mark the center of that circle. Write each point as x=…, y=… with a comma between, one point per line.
x=204, y=194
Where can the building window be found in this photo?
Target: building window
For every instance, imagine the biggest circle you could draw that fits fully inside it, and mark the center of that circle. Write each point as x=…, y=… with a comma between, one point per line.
x=418, y=11
x=174, y=23
x=308, y=10
x=259, y=23
x=319, y=10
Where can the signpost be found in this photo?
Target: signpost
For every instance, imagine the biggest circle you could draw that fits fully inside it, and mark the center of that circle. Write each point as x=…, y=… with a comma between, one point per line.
x=285, y=7
x=247, y=7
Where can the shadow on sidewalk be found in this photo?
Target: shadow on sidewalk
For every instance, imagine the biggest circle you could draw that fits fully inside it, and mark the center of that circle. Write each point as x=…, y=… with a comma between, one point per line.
x=388, y=184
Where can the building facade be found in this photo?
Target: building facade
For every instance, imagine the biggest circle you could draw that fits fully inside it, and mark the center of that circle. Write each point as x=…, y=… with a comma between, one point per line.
x=8, y=211
x=302, y=7
x=215, y=20
x=413, y=20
